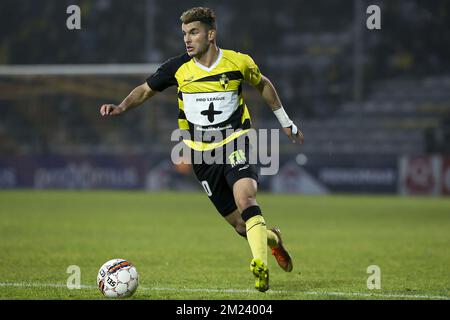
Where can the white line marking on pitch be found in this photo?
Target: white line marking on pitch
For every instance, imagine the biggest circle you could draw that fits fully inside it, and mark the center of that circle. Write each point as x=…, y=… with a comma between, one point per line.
x=206, y=290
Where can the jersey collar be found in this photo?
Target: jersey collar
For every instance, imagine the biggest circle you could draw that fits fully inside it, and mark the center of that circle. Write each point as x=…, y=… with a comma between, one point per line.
x=213, y=65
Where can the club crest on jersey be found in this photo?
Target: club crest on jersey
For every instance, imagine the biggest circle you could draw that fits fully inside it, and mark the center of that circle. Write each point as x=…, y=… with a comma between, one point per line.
x=224, y=81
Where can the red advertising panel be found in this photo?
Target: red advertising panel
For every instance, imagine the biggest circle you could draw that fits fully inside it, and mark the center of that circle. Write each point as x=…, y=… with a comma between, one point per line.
x=445, y=176
x=419, y=175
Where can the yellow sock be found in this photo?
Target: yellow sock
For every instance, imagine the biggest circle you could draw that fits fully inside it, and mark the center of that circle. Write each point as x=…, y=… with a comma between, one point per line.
x=257, y=237
x=272, y=239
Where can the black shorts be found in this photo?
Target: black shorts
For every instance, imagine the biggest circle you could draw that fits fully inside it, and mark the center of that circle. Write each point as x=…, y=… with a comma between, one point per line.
x=217, y=179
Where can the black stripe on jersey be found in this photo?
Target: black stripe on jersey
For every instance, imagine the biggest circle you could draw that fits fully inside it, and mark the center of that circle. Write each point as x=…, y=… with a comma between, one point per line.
x=180, y=95
x=231, y=75
x=181, y=115
x=164, y=77
x=246, y=124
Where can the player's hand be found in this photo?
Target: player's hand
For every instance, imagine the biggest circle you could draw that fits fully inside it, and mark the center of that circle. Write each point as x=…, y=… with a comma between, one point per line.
x=298, y=136
x=110, y=110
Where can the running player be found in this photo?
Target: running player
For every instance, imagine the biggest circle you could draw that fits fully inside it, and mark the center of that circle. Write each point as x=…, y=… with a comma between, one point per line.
x=209, y=81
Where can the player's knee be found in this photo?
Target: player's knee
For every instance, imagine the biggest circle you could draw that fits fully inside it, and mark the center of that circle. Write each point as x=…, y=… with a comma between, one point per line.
x=245, y=202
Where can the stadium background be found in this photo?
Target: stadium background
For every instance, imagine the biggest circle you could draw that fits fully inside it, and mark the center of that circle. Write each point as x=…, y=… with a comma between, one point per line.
x=374, y=105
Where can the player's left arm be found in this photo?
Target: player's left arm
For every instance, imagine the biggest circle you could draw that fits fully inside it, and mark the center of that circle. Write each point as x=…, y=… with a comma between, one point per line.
x=270, y=96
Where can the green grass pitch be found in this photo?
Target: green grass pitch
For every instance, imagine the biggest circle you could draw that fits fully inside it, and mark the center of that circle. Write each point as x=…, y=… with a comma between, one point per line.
x=183, y=249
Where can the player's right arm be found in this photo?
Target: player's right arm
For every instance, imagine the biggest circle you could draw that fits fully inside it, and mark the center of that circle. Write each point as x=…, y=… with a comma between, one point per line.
x=135, y=98
x=163, y=78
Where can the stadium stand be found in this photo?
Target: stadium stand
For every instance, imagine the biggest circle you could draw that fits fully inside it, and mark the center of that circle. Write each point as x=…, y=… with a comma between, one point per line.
x=307, y=49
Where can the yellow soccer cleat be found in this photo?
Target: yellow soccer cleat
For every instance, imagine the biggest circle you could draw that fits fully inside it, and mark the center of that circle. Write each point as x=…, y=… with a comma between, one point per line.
x=261, y=273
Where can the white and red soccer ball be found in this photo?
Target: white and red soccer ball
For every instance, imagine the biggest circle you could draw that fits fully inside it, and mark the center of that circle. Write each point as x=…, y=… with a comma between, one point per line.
x=117, y=278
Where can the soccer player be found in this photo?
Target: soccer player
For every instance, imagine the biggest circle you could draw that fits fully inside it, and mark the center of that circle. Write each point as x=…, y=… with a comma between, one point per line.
x=209, y=81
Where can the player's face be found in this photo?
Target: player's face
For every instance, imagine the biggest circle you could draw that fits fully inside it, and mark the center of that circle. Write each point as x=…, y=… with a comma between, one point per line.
x=197, y=38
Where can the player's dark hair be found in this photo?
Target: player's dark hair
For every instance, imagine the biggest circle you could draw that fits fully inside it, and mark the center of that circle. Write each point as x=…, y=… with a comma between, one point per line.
x=202, y=14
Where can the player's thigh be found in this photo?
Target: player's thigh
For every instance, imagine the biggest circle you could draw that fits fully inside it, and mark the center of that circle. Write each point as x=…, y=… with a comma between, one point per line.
x=242, y=177
x=213, y=181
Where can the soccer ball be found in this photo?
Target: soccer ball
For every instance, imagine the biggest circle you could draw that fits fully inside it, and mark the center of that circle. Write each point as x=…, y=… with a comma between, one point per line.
x=117, y=278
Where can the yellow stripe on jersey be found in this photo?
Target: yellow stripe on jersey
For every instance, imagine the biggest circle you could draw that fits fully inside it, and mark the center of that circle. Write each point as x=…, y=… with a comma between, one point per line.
x=245, y=114
x=204, y=146
x=209, y=98
x=183, y=124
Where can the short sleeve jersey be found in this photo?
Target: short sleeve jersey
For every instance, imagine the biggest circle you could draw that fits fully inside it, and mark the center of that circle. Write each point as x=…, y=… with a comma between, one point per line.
x=210, y=101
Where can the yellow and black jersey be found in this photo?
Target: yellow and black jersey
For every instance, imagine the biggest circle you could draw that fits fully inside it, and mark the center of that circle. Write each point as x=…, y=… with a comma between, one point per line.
x=209, y=99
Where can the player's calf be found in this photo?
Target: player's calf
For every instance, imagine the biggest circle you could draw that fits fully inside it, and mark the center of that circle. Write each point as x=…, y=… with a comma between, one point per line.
x=240, y=229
